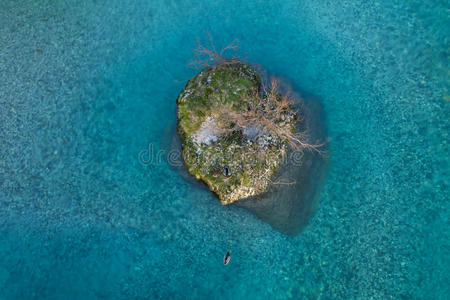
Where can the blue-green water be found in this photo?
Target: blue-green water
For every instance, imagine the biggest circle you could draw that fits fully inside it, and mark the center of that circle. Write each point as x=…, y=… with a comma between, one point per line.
x=84, y=88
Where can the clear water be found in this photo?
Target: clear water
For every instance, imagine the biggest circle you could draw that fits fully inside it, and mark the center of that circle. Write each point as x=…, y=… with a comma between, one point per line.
x=85, y=87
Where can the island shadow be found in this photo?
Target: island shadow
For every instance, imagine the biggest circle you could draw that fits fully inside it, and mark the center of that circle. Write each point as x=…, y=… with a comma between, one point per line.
x=285, y=206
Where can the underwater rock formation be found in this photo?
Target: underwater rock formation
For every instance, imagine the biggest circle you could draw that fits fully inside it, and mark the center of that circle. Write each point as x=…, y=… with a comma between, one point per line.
x=287, y=208
x=234, y=132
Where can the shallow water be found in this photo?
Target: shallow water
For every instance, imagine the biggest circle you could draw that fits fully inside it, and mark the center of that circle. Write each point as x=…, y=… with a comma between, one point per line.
x=85, y=88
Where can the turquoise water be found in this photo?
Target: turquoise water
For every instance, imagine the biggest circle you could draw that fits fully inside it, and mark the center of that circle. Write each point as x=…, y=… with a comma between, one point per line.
x=84, y=88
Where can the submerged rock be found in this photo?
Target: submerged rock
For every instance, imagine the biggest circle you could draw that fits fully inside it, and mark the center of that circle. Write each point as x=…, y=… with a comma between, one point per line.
x=288, y=208
x=233, y=136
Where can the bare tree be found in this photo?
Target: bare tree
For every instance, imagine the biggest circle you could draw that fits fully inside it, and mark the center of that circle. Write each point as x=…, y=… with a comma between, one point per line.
x=269, y=113
x=208, y=56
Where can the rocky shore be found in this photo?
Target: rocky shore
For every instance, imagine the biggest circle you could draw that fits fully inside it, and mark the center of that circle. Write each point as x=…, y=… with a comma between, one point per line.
x=234, y=132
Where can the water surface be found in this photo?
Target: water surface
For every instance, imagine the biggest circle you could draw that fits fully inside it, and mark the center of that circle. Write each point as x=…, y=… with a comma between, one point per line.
x=85, y=87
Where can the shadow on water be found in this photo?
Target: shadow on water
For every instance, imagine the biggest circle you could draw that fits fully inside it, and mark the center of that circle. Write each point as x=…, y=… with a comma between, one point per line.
x=286, y=207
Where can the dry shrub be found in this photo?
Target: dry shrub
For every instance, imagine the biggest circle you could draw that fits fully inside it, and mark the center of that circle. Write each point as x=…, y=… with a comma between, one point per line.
x=267, y=112
x=208, y=56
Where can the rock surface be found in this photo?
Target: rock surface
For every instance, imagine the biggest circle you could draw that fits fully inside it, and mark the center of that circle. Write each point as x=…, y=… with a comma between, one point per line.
x=235, y=159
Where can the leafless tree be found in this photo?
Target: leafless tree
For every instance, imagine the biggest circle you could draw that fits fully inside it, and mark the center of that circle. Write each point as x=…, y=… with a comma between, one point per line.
x=208, y=56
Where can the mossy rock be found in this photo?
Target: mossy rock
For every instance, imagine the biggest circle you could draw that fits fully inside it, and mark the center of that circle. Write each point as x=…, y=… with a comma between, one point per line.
x=234, y=162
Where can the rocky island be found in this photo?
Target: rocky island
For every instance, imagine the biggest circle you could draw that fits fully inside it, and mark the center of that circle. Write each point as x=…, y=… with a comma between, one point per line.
x=234, y=131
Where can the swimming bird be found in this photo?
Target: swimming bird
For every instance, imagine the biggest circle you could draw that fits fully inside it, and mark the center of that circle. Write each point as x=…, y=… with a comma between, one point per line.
x=226, y=258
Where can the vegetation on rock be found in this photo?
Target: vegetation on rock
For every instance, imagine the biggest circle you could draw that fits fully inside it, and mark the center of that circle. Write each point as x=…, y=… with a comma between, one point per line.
x=234, y=131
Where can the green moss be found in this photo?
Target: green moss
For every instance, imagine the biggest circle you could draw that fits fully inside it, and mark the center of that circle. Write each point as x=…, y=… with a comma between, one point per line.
x=202, y=96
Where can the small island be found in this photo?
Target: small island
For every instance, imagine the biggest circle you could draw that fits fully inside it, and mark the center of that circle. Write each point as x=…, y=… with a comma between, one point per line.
x=235, y=131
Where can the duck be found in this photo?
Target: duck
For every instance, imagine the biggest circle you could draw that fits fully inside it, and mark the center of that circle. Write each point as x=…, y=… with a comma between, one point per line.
x=226, y=258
